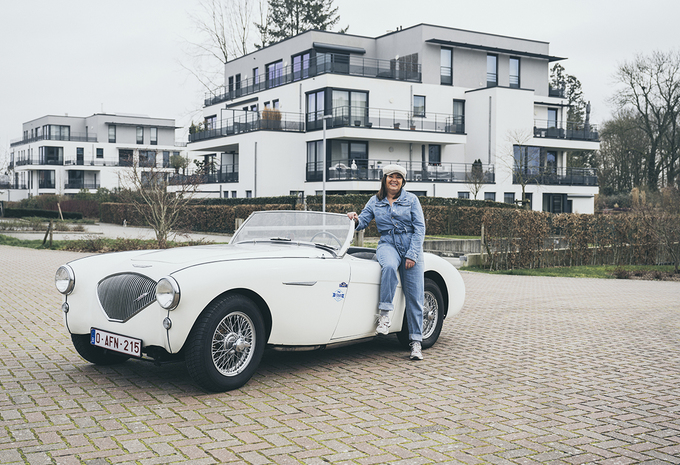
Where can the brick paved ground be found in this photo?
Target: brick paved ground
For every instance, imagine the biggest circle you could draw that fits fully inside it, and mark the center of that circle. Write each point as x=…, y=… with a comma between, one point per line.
x=534, y=370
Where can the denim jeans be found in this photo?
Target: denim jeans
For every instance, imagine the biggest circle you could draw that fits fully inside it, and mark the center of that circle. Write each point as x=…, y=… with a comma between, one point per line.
x=412, y=284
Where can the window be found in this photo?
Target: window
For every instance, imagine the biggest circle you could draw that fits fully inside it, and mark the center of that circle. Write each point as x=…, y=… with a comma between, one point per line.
x=166, y=159
x=45, y=179
x=140, y=135
x=100, y=152
x=314, y=160
x=275, y=104
x=231, y=83
x=80, y=156
x=315, y=109
x=491, y=70
x=249, y=194
x=51, y=155
x=301, y=66
x=112, y=134
x=147, y=158
x=233, y=193
x=274, y=74
x=552, y=118
x=435, y=154
x=509, y=197
x=527, y=199
x=154, y=136
x=446, y=66
x=256, y=75
x=349, y=107
x=458, y=117
x=345, y=153
x=253, y=107
x=211, y=122
x=463, y=195
x=238, y=82
x=490, y=196
x=550, y=162
x=419, y=106
x=514, y=72
x=124, y=157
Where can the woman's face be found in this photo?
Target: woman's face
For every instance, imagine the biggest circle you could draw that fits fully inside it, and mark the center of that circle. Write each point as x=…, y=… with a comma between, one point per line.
x=394, y=183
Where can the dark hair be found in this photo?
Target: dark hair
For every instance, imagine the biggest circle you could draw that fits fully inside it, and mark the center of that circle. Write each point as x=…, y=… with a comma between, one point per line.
x=382, y=193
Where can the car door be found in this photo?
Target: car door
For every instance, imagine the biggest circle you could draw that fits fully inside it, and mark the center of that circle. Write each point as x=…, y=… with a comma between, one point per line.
x=358, y=317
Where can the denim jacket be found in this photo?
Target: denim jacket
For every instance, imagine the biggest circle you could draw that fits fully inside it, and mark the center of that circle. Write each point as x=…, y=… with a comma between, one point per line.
x=401, y=225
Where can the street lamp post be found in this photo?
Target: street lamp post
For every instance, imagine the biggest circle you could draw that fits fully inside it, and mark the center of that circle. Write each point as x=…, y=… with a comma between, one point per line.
x=323, y=164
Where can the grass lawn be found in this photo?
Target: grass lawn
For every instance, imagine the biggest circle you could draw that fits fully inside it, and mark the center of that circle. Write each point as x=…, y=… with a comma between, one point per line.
x=604, y=272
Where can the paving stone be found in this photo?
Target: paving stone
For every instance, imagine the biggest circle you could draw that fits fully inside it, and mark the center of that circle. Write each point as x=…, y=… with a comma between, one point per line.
x=534, y=370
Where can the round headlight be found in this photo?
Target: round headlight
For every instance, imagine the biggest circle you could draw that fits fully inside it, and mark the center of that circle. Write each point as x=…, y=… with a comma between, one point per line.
x=167, y=293
x=65, y=279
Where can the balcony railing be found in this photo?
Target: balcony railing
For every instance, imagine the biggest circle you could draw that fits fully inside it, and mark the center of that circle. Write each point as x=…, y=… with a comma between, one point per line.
x=225, y=174
x=557, y=176
x=81, y=185
x=417, y=171
x=387, y=119
x=74, y=137
x=40, y=161
x=323, y=63
x=571, y=130
x=556, y=92
x=249, y=121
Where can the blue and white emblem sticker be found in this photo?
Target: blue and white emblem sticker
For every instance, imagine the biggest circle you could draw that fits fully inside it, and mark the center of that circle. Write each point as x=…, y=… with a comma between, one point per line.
x=339, y=295
x=343, y=284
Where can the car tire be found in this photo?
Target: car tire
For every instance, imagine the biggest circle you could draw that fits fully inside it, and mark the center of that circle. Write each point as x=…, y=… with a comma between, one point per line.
x=433, y=317
x=94, y=354
x=226, y=344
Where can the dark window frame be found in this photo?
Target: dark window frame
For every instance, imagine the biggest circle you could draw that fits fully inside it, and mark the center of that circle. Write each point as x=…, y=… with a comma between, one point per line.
x=422, y=113
x=493, y=82
x=518, y=84
x=443, y=78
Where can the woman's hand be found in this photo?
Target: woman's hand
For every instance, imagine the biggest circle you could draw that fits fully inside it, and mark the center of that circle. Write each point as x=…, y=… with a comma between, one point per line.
x=409, y=264
x=353, y=216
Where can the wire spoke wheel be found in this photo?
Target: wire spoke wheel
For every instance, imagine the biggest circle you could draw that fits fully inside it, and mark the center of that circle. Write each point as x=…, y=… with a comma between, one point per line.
x=232, y=343
x=430, y=314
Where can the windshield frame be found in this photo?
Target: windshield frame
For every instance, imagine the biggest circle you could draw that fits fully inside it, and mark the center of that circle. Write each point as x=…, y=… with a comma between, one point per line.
x=274, y=238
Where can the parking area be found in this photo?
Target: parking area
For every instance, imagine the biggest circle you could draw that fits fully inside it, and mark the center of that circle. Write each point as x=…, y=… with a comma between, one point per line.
x=534, y=370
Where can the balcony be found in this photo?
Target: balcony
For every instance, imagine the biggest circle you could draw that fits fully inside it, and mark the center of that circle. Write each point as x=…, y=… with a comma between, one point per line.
x=371, y=170
x=41, y=161
x=387, y=119
x=73, y=137
x=81, y=185
x=557, y=177
x=323, y=63
x=225, y=174
x=250, y=121
x=573, y=131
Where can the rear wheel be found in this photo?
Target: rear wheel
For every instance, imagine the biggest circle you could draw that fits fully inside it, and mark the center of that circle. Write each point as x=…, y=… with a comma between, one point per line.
x=94, y=354
x=226, y=344
x=433, y=316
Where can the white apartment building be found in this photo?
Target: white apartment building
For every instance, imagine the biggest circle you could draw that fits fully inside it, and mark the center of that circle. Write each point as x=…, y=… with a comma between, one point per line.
x=64, y=154
x=452, y=106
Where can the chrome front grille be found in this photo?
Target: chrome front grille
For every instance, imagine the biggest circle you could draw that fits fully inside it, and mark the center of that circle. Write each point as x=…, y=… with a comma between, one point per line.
x=124, y=295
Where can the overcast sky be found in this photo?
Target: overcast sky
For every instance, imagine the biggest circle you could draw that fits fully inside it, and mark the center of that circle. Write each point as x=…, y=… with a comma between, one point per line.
x=80, y=57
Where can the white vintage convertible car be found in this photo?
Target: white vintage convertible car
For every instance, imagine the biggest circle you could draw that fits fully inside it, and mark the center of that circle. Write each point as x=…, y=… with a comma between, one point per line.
x=288, y=280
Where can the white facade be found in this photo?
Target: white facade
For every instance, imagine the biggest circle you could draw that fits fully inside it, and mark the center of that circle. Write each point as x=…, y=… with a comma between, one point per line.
x=64, y=154
x=431, y=98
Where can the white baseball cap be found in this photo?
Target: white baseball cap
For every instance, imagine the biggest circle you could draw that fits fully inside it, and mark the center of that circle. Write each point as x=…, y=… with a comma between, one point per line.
x=390, y=169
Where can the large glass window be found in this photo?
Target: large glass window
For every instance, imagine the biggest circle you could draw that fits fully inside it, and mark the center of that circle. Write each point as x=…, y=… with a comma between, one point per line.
x=345, y=153
x=274, y=74
x=154, y=136
x=315, y=109
x=349, y=107
x=301, y=66
x=46, y=179
x=140, y=135
x=509, y=197
x=112, y=134
x=314, y=160
x=125, y=157
x=514, y=72
x=256, y=75
x=419, y=105
x=491, y=70
x=458, y=116
x=51, y=155
x=434, y=154
x=147, y=158
x=446, y=66
x=552, y=118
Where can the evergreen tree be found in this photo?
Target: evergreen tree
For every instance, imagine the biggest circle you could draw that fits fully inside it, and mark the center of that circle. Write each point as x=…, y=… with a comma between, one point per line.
x=287, y=18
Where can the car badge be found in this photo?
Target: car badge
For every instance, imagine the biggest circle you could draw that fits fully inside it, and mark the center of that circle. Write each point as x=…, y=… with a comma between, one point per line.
x=343, y=284
x=140, y=297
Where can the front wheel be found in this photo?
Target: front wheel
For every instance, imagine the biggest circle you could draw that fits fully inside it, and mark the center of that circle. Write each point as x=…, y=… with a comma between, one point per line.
x=433, y=317
x=94, y=354
x=226, y=344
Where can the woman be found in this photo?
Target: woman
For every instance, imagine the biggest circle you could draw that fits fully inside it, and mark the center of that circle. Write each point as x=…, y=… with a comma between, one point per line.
x=399, y=218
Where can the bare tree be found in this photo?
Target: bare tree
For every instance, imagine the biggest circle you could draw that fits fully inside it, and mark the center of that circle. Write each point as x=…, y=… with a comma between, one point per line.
x=226, y=30
x=146, y=188
x=651, y=86
x=661, y=215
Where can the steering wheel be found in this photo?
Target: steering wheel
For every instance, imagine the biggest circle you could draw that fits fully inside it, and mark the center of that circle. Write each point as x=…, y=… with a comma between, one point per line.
x=332, y=236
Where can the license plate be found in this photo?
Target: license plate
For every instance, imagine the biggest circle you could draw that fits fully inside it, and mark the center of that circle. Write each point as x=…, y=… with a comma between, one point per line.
x=116, y=342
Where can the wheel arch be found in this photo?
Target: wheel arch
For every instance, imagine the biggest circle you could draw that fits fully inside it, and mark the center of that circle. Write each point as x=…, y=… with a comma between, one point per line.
x=439, y=281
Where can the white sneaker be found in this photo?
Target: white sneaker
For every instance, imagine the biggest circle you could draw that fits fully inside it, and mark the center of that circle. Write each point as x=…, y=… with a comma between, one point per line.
x=416, y=351
x=383, y=324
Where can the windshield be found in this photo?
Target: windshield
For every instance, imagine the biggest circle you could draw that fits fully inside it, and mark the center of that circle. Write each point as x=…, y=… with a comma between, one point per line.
x=329, y=229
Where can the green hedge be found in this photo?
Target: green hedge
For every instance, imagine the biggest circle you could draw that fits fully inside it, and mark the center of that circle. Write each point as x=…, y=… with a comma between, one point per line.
x=29, y=212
